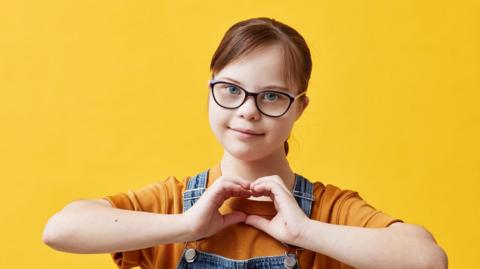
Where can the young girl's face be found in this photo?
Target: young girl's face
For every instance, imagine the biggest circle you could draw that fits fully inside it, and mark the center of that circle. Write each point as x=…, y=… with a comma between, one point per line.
x=254, y=72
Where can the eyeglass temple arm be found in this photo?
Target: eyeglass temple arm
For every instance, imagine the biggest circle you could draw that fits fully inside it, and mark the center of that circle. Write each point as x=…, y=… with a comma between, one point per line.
x=299, y=95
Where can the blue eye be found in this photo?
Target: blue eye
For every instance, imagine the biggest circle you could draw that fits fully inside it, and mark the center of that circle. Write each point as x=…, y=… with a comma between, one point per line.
x=233, y=90
x=271, y=96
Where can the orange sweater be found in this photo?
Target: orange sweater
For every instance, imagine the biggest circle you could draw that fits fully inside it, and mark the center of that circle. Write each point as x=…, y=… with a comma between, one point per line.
x=331, y=205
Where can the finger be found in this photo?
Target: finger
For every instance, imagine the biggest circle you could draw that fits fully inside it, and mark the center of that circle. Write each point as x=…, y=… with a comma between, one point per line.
x=275, y=179
x=236, y=179
x=240, y=191
x=226, y=189
x=257, y=192
x=272, y=189
x=234, y=217
x=257, y=222
x=231, y=189
x=266, y=192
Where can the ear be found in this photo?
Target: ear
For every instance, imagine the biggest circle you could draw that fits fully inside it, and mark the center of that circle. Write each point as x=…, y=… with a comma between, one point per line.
x=306, y=101
x=304, y=105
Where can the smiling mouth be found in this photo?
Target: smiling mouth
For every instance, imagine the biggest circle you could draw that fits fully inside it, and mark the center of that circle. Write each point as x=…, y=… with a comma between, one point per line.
x=245, y=132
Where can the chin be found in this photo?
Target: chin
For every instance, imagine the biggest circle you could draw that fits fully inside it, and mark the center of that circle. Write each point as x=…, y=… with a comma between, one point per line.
x=246, y=154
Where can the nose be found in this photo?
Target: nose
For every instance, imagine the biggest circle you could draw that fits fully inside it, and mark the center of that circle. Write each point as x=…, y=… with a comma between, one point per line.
x=249, y=109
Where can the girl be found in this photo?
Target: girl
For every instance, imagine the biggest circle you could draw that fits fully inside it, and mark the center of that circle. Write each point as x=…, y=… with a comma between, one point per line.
x=250, y=210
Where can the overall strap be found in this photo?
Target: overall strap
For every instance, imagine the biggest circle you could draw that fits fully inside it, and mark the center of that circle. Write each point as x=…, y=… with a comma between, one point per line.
x=303, y=193
x=196, y=186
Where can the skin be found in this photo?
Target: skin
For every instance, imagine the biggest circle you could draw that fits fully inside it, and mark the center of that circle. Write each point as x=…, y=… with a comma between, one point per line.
x=253, y=169
x=258, y=169
x=262, y=156
x=247, y=160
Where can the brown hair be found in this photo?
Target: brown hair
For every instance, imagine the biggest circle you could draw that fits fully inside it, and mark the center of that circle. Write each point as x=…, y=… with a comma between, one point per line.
x=245, y=36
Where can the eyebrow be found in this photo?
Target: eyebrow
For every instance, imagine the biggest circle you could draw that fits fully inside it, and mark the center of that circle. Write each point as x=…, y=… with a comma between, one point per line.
x=264, y=87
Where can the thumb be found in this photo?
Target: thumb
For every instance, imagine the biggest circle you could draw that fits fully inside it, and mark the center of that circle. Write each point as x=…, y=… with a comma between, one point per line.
x=232, y=218
x=257, y=222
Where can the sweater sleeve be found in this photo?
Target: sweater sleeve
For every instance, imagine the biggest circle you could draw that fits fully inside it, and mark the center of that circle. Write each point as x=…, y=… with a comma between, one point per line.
x=159, y=197
x=346, y=207
x=353, y=210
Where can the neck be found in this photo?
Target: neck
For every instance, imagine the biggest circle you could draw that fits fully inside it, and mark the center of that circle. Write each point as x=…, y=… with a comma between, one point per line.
x=273, y=164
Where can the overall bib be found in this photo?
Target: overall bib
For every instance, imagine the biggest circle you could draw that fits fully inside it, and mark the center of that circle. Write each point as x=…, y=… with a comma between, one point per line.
x=196, y=259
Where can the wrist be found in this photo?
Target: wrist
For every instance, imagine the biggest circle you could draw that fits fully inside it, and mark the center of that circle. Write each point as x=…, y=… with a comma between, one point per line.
x=187, y=233
x=304, y=233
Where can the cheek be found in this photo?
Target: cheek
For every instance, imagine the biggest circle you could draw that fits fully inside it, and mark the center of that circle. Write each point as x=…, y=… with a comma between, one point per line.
x=282, y=129
x=216, y=116
x=277, y=131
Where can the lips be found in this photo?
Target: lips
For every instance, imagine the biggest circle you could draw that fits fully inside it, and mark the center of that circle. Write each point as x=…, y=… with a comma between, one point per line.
x=246, y=131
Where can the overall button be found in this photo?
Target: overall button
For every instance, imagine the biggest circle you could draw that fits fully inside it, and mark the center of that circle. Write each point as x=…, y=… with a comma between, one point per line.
x=289, y=262
x=190, y=255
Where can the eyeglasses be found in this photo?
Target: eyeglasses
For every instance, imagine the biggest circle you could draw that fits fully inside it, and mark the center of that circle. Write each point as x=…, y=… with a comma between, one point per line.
x=269, y=103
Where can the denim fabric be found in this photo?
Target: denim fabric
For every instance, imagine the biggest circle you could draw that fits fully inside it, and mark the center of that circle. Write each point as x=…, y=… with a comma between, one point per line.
x=196, y=186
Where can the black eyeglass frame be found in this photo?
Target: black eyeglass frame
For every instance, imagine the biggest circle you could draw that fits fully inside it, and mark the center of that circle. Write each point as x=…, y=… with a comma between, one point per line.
x=291, y=98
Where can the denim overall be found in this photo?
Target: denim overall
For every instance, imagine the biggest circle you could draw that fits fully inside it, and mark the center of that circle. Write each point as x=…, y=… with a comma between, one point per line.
x=194, y=258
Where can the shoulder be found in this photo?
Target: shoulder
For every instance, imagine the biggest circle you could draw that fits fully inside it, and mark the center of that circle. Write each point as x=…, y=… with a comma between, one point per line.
x=330, y=195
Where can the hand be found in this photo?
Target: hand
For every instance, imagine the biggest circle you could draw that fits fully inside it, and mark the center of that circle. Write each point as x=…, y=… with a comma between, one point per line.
x=204, y=219
x=290, y=222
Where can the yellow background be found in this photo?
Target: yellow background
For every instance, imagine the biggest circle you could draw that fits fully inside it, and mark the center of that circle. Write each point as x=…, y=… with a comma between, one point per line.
x=98, y=97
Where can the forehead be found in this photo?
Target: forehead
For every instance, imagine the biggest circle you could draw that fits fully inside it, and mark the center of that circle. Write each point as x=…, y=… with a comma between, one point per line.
x=263, y=66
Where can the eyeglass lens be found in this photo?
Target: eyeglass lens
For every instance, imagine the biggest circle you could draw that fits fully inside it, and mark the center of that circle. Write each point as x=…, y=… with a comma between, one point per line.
x=269, y=102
